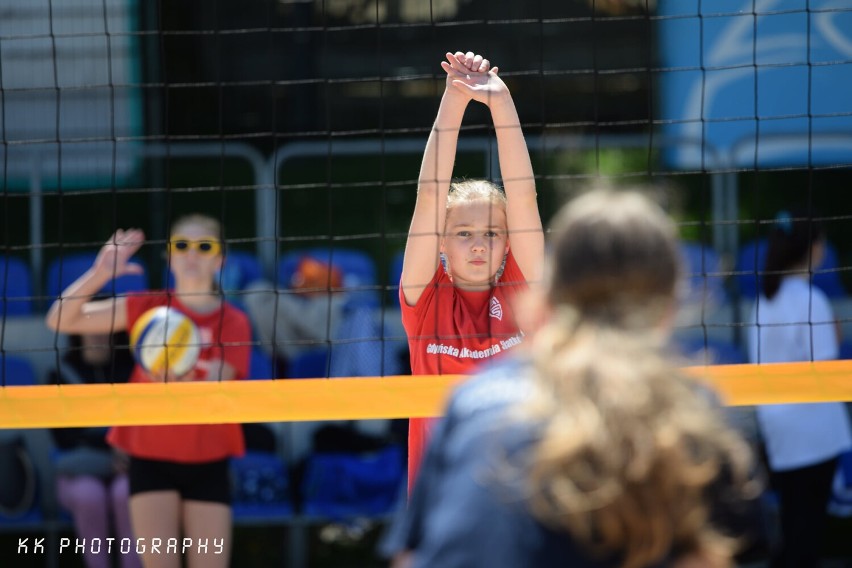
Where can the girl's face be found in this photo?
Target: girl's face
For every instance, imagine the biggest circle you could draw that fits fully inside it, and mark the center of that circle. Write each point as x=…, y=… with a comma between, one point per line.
x=475, y=242
x=195, y=254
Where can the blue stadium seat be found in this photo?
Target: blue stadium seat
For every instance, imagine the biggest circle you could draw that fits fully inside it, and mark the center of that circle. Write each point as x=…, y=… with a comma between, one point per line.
x=64, y=270
x=311, y=364
x=241, y=268
x=16, y=287
x=752, y=257
x=344, y=485
x=357, y=269
x=261, y=487
x=703, y=273
x=260, y=365
x=710, y=351
x=16, y=371
x=394, y=276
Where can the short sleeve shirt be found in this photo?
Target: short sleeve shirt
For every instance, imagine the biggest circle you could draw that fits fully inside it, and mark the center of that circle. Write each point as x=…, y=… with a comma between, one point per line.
x=451, y=331
x=226, y=335
x=797, y=324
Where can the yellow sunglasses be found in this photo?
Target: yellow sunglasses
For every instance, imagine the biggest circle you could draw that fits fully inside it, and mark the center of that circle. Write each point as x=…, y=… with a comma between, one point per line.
x=182, y=245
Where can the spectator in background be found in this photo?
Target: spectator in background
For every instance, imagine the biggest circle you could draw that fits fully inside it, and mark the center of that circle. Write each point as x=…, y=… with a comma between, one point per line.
x=792, y=320
x=588, y=447
x=289, y=322
x=91, y=477
x=315, y=312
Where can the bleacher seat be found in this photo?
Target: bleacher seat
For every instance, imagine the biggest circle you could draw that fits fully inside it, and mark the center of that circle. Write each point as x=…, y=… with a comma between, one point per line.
x=357, y=269
x=710, y=351
x=704, y=278
x=752, y=257
x=16, y=287
x=65, y=269
x=345, y=485
x=311, y=364
x=260, y=487
x=394, y=276
x=260, y=365
x=240, y=269
x=16, y=371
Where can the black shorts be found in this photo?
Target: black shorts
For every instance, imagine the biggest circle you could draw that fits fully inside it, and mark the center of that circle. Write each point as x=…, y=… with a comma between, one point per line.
x=208, y=481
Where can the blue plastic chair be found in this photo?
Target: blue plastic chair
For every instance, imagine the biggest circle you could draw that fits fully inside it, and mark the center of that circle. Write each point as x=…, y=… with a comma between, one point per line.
x=16, y=371
x=240, y=269
x=311, y=364
x=751, y=259
x=357, y=269
x=16, y=287
x=345, y=485
x=394, y=276
x=711, y=351
x=64, y=270
x=261, y=487
x=260, y=365
x=703, y=267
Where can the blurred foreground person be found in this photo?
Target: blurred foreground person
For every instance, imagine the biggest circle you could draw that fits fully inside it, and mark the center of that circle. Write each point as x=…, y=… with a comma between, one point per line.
x=592, y=449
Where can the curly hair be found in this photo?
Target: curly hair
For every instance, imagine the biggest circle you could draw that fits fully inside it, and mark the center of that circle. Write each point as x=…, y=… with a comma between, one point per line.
x=628, y=450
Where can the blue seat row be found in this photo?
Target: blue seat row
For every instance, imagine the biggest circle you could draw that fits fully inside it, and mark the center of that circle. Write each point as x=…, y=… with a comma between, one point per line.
x=359, y=272
x=705, y=274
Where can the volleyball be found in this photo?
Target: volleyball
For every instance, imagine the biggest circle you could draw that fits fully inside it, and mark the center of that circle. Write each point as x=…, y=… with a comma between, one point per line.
x=164, y=339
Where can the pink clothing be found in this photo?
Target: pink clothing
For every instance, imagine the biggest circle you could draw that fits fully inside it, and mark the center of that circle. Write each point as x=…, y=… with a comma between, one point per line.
x=92, y=502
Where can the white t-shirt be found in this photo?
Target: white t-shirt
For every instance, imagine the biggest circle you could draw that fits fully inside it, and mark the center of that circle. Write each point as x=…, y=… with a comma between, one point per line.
x=797, y=325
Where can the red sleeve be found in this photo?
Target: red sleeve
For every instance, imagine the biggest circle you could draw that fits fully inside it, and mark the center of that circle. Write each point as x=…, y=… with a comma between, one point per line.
x=236, y=342
x=512, y=276
x=138, y=304
x=412, y=314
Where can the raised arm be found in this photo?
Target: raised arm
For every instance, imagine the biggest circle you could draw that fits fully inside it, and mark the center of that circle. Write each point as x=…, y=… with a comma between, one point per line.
x=74, y=312
x=433, y=184
x=526, y=235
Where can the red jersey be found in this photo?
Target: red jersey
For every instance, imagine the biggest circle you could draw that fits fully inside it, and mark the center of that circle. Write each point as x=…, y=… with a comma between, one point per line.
x=451, y=330
x=226, y=335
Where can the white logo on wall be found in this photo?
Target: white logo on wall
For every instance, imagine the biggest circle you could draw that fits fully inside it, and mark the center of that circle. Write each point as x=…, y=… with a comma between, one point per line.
x=761, y=84
x=496, y=310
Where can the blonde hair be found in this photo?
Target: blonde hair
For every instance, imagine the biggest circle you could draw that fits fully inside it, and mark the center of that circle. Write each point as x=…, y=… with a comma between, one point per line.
x=628, y=449
x=473, y=191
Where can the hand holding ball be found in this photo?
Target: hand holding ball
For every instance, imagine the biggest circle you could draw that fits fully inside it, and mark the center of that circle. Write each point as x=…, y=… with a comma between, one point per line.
x=165, y=341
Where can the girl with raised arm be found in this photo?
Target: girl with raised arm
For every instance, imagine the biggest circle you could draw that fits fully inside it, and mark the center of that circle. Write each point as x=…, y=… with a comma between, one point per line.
x=471, y=245
x=179, y=484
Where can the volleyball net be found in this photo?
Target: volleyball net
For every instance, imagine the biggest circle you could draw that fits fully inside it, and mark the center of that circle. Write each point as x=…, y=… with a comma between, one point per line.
x=300, y=126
